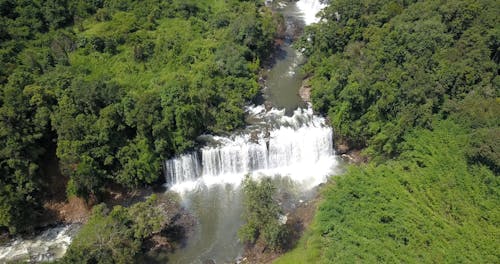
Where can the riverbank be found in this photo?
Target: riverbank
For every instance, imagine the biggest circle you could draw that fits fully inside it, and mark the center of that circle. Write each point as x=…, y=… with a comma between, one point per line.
x=75, y=210
x=283, y=152
x=297, y=221
x=430, y=193
x=51, y=240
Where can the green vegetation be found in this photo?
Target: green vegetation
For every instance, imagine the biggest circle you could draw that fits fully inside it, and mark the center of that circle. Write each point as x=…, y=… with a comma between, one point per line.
x=387, y=67
x=262, y=215
x=117, y=236
x=116, y=87
x=416, y=84
x=428, y=205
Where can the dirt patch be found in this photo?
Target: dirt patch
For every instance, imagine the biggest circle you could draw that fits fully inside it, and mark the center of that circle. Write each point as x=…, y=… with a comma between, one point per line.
x=59, y=209
x=349, y=151
x=342, y=148
x=118, y=195
x=75, y=210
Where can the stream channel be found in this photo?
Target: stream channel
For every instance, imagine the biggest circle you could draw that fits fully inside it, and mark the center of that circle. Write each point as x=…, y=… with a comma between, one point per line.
x=283, y=139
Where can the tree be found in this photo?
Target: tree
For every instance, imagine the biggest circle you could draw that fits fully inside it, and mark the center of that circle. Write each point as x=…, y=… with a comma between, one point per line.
x=261, y=215
x=377, y=75
x=117, y=86
x=106, y=238
x=116, y=236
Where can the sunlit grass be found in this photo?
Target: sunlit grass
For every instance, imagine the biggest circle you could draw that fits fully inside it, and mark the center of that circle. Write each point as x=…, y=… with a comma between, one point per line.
x=426, y=206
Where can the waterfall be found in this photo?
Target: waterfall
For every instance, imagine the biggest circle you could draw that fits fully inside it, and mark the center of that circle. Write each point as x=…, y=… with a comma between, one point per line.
x=183, y=168
x=309, y=9
x=300, y=146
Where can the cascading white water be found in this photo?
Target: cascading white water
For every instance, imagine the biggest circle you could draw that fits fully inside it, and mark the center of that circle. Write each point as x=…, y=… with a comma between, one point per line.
x=47, y=246
x=300, y=146
x=234, y=156
x=309, y=9
x=183, y=168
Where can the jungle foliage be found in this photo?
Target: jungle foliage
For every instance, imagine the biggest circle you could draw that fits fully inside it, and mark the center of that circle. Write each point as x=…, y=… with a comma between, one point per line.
x=117, y=235
x=117, y=86
x=382, y=68
x=262, y=215
x=428, y=205
x=414, y=83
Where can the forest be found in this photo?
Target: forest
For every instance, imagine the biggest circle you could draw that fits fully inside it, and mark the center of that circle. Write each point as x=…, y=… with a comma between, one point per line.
x=100, y=93
x=111, y=88
x=415, y=85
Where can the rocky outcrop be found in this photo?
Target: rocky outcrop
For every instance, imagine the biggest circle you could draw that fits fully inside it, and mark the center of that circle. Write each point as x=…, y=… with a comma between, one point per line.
x=349, y=151
x=177, y=226
x=305, y=91
x=354, y=156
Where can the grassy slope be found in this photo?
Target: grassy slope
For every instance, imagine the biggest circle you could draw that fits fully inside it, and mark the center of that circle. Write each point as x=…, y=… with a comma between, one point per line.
x=381, y=73
x=426, y=206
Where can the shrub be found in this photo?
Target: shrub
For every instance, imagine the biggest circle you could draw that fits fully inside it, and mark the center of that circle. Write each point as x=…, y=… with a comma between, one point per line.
x=261, y=215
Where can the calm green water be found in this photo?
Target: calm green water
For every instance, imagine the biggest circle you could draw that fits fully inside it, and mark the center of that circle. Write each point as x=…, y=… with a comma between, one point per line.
x=218, y=208
x=284, y=79
x=218, y=211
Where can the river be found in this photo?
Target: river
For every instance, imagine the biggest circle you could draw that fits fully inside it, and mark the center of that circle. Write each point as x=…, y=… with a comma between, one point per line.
x=283, y=139
x=286, y=141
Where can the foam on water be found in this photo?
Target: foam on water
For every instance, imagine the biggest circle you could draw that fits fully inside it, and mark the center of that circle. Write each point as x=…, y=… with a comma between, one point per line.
x=309, y=9
x=298, y=146
x=47, y=246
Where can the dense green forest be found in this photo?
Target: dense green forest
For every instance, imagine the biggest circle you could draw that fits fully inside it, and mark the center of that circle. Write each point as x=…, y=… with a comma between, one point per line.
x=262, y=215
x=414, y=83
x=108, y=89
x=119, y=235
x=113, y=87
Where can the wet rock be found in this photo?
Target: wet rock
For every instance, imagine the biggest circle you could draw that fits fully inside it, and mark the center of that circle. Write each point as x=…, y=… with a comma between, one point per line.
x=254, y=136
x=342, y=148
x=268, y=105
x=177, y=226
x=354, y=156
x=208, y=261
x=305, y=93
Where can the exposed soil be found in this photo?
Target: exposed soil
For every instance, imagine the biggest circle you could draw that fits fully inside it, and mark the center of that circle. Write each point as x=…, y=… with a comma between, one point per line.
x=57, y=208
x=118, y=195
x=75, y=210
x=350, y=152
x=178, y=224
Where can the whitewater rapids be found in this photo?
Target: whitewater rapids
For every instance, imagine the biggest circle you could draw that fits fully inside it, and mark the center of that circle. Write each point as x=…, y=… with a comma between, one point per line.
x=298, y=146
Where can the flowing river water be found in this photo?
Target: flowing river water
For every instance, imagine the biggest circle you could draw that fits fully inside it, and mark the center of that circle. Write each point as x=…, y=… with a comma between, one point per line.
x=286, y=141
